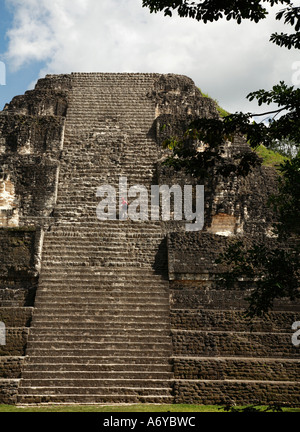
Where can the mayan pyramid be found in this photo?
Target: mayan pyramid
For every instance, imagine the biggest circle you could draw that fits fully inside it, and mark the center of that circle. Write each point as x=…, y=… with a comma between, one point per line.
x=126, y=311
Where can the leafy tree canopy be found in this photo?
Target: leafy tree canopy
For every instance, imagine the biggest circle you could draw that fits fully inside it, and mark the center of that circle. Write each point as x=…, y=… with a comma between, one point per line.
x=275, y=268
x=238, y=10
x=212, y=10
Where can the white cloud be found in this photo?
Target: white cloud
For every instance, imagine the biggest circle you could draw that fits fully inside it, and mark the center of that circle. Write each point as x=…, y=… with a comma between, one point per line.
x=224, y=59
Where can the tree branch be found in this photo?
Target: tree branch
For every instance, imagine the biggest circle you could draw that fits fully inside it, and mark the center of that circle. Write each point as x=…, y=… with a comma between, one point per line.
x=269, y=112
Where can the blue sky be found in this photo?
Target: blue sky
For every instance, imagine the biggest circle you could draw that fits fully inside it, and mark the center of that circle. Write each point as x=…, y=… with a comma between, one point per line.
x=17, y=81
x=225, y=60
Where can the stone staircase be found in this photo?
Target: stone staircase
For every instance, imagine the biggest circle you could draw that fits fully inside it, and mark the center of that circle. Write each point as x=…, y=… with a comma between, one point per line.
x=130, y=311
x=100, y=331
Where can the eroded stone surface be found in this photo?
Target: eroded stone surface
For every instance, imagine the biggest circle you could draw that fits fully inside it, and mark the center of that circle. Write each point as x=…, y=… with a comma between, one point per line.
x=126, y=311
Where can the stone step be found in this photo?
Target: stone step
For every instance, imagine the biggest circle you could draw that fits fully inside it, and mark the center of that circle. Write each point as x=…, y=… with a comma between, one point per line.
x=95, y=230
x=83, y=375
x=105, y=248
x=91, y=398
x=81, y=160
x=126, y=156
x=88, y=176
x=112, y=331
x=130, y=274
x=97, y=368
x=115, y=230
x=127, y=163
x=89, y=337
x=132, y=161
x=101, y=254
x=85, y=116
x=86, y=263
x=70, y=198
x=101, y=286
x=89, y=358
x=106, y=309
x=83, y=182
x=152, y=225
x=87, y=125
x=112, y=232
x=101, y=321
x=63, y=247
x=106, y=297
x=114, y=240
x=99, y=290
x=76, y=192
x=100, y=386
x=95, y=274
x=103, y=343
x=90, y=350
x=91, y=227
x=91, y=224
x=108, y=243
x=96, y=240
x=110, y=167
x=100, y=318
x=93, y=141
x=132, y=257
x=71, y=135
x=92, y=305
x=113, y=325
x=89, y=149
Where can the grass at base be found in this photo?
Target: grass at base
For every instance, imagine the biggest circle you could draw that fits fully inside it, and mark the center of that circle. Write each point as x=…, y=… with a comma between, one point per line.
x=123, y=408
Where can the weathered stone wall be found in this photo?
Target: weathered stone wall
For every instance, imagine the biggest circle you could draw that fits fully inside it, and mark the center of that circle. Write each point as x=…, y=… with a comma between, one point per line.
x=10, y=367
x=18, y=259
x=49, y=98
x=8, y=391
x=221, y=392
x=29, y=164
x=31, y=139
x=219, y=356
x=234, y=368
x=58, y=143
x=234, y=204
x=214, y=341
x=18, y=283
